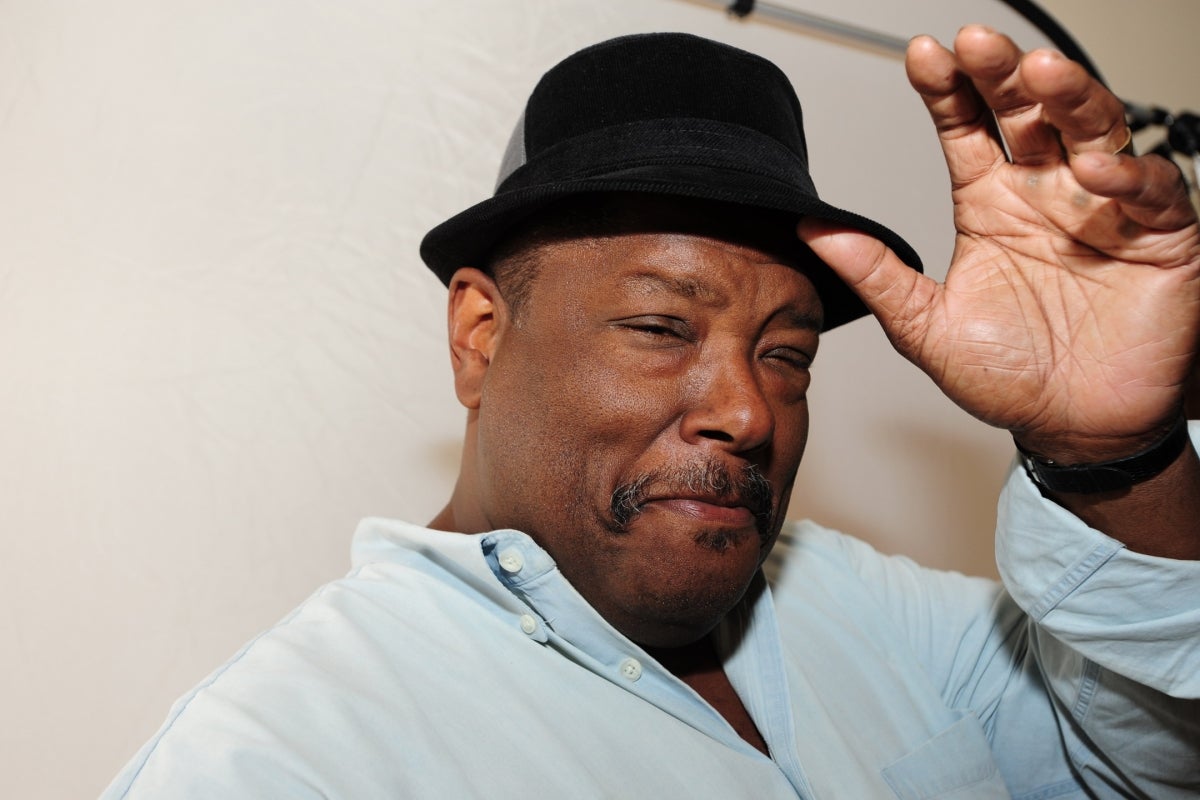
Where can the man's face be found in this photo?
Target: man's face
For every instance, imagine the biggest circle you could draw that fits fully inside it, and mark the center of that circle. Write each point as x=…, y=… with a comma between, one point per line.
x=643, y=420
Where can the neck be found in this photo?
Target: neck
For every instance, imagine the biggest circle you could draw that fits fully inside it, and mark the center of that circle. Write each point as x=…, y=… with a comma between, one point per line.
x=699, y=666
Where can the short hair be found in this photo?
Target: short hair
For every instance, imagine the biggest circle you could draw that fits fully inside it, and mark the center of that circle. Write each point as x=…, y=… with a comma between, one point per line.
x=515, y=262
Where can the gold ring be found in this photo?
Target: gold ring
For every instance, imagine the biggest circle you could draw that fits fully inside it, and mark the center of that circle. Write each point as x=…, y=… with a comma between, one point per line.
x=1127, y=147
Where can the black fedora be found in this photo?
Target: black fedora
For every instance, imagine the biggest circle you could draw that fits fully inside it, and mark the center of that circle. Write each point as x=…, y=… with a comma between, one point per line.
x=663, y=113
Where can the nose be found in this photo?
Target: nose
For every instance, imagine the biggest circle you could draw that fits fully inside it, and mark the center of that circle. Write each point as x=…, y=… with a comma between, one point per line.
x=727, y=405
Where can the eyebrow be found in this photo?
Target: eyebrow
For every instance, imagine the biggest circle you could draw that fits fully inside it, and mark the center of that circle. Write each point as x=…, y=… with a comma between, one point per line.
x=796, y=318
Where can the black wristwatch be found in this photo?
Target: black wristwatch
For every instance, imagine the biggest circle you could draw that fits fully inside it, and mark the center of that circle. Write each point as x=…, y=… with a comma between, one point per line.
x=1107, y=476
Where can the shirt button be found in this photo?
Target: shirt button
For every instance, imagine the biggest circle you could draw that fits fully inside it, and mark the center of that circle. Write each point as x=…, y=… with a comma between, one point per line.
x=511, y=560
x=528, y=623
x=631, y=669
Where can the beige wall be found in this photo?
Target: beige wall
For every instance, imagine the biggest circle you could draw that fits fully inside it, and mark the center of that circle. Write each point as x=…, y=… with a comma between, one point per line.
x=218, y=349
x=1146, y=50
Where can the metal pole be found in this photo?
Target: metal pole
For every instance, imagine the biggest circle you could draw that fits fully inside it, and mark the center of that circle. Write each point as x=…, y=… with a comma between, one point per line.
x=824, y=25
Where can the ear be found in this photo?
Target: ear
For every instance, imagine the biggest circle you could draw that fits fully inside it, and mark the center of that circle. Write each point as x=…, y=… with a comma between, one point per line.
x=476, y=315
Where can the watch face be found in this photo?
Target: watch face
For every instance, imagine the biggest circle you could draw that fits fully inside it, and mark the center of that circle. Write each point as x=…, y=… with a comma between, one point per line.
x=1030, y=466
x=1034, y=471
x=1077, y=479
x=1108, y=476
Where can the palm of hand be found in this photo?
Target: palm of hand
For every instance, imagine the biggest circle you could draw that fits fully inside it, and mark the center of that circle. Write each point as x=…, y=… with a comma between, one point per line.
x=1052, y=287
x=1071, y=311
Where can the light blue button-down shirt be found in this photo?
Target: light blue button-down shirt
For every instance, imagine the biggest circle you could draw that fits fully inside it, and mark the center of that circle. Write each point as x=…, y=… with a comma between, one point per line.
x=458, y=666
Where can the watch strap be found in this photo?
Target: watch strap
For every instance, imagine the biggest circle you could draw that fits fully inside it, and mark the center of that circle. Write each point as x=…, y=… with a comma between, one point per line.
x=1107, y=476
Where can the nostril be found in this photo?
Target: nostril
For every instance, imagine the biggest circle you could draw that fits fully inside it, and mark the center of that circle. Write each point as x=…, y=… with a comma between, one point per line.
x=719, y=435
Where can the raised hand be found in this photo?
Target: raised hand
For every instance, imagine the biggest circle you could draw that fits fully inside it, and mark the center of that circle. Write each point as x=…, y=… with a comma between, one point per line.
x=1071, y=311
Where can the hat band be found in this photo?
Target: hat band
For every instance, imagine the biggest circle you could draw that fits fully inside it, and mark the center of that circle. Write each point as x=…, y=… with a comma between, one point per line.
x=664, y=142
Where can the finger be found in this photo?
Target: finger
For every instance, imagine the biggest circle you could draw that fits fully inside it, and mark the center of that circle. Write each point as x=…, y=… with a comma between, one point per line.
x=963, y=121
x=896, y=294
x=1149, y=189
x=992, y=61
x=1087, y=115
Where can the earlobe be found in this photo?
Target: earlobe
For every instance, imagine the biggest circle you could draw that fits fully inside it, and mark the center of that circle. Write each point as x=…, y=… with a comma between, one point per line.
x=475, y=314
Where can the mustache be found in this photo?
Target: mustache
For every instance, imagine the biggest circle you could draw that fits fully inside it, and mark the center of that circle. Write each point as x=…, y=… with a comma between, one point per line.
x=746, y=485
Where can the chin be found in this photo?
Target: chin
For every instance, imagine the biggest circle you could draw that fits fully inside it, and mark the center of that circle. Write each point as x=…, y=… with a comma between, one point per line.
x=667, y=618
x=667, y=584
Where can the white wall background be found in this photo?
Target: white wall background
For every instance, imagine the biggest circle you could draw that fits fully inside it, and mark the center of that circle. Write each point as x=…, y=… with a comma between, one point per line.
x=218, y=348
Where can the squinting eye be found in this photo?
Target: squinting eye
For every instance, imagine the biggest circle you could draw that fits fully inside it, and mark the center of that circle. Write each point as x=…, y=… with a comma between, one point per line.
x=657, y=330
x=793, y=358
x=658, y=327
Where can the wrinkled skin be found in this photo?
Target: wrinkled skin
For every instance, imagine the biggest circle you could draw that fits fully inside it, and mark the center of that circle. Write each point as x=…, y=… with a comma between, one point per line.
x=1070, y=314
x=1071, y=311
x=662, y=363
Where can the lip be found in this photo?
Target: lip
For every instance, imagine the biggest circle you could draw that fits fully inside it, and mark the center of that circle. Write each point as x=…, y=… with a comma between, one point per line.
x=707, y=510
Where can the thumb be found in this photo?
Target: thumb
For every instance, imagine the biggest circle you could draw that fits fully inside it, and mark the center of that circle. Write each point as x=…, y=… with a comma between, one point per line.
x=894, y=292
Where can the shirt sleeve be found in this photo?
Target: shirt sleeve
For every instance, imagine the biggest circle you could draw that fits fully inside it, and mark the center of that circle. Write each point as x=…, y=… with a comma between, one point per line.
x=1115, y=635
x=1083, y=667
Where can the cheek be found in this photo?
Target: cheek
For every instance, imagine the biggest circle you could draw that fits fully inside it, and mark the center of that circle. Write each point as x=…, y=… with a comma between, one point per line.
x=792, y=433
x=561, y=427
x=791, y=438
x=596, y=397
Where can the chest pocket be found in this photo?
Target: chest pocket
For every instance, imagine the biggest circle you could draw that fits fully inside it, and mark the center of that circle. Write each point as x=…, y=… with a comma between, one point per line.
x=954, y=765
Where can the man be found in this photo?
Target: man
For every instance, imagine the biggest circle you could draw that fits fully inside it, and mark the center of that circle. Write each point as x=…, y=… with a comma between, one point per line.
x=631, y=325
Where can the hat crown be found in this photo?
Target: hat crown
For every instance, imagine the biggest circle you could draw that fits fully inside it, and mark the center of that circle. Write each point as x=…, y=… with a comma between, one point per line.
x=656, y=76
x=667, y=114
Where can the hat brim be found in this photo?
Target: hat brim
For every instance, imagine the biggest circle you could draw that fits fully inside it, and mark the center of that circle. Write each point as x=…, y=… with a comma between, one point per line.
x=467, y=238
